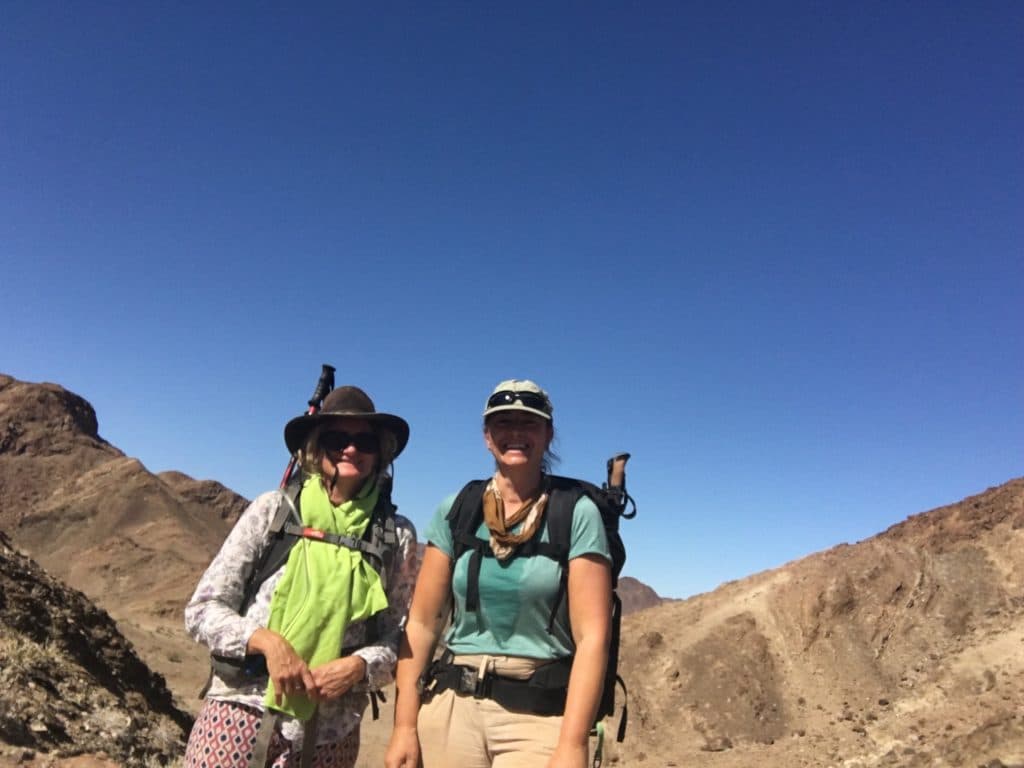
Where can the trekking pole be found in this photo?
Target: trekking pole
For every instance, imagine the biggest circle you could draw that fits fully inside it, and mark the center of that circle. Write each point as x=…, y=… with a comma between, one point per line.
x=616, y=485
x=323, y=387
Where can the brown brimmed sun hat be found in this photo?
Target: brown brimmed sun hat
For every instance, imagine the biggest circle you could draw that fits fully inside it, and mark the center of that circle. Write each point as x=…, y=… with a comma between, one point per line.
x=519, y=395
x=350, y=402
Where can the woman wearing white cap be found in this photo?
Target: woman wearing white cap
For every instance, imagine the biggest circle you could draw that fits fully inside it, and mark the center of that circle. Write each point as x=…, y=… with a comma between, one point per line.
x=522, y=674
x=300, y=640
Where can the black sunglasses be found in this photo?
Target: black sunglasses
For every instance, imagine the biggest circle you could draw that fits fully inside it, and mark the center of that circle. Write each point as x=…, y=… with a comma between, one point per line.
x=335, y=441
x=529, y=399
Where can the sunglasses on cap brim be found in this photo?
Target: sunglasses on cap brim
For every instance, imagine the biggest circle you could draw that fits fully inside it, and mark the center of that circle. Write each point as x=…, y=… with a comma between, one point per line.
x=528, y=399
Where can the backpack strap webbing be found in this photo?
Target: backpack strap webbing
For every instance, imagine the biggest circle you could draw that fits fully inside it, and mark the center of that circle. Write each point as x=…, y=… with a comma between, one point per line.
x=464, y=518
x=564, y=494
x=606, y=707
x=310, y=732
x=265, y=734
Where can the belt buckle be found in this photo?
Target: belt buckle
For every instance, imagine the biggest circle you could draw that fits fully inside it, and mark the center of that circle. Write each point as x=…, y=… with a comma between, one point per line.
x=469, y=682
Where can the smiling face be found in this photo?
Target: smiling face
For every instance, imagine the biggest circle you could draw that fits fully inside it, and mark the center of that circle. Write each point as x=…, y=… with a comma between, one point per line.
x=352, y=465
x=517, y=439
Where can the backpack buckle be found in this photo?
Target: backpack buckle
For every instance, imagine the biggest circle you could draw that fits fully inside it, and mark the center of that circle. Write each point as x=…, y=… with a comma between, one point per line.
x=478, y=681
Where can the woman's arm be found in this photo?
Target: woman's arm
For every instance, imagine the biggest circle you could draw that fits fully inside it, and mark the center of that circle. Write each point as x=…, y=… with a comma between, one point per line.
x=427, y=616
x=590, y=600
x=212, y=616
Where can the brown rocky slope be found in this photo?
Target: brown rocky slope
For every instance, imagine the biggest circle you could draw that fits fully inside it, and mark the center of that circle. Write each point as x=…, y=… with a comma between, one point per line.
x=70, y=684
x=906, y=649
x=134, y=542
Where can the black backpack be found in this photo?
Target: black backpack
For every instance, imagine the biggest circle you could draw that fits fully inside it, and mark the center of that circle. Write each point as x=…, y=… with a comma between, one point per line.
x=612, y=501
x=378, y=544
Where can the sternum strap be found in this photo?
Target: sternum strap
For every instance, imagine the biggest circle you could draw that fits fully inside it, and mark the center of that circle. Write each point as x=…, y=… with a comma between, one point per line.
x=336, y=539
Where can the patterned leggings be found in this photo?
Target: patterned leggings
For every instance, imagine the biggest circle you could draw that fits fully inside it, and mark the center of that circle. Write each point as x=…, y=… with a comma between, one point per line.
x=224, y=733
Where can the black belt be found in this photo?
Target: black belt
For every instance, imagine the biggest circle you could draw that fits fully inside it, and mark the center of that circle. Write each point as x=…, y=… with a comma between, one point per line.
x=543, y=693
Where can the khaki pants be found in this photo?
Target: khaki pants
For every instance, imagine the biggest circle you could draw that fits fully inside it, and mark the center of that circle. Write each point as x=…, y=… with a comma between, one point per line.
x=479, y=733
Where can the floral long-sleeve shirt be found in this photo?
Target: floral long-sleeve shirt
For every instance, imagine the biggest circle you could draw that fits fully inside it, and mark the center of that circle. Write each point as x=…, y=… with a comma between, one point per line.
x=212, y=618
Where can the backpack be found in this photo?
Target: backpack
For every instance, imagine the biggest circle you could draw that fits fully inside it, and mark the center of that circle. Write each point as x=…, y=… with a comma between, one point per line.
x=612, y=501
x=377, y=544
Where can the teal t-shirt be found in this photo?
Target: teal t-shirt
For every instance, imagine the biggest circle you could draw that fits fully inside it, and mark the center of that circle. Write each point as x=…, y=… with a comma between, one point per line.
x=516, y=597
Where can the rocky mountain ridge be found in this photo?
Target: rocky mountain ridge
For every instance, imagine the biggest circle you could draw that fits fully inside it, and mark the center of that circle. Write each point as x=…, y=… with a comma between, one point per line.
x=906, y=649
x=133, y=541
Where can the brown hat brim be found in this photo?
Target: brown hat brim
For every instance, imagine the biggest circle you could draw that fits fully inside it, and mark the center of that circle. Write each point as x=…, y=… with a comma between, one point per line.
x=297, y=430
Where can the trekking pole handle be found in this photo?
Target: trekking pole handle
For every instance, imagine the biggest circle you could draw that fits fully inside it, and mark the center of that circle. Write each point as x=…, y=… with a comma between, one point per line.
x=323, y=386
x=617, y=470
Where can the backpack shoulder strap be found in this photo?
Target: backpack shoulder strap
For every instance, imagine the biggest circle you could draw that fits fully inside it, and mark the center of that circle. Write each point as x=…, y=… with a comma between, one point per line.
x=279, y=541
x=378, y=544
x=562, y=497
x=381, y=535
x=466, y=515
x=563, y=494
x=464, y=518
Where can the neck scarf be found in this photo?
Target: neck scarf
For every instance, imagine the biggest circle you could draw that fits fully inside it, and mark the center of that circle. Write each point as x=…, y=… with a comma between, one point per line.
x=503, y=542
x=324, y=587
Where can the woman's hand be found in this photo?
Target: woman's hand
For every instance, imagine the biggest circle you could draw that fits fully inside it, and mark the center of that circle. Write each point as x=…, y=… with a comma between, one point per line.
x=287, y=670
x=403, y=749
x=569, y=756
x=336, y=677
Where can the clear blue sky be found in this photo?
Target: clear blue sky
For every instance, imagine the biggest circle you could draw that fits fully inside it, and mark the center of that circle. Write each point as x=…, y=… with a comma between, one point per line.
x=772, y=249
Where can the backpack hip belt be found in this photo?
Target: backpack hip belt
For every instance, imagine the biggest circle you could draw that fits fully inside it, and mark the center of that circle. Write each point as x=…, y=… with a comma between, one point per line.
x=543, y=693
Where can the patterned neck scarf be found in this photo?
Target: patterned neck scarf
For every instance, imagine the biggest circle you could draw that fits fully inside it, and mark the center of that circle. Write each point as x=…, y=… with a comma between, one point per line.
x=503, y=542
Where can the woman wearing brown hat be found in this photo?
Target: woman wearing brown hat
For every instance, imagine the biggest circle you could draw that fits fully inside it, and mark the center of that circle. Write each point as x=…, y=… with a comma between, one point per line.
x=297, y=647
x=522, y=674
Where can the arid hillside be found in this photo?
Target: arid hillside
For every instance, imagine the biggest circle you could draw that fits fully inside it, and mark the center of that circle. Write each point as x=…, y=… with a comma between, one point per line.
x=70, y=684
x=132, y=541
x=906, y=649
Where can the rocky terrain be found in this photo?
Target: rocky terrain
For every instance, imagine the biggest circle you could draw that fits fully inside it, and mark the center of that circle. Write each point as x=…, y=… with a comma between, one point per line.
x=133, y=541
x=906, y=649
x=70, y=684
x=636, y=596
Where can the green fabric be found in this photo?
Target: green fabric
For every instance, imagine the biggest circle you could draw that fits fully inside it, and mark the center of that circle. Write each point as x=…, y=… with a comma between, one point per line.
x=324, y=587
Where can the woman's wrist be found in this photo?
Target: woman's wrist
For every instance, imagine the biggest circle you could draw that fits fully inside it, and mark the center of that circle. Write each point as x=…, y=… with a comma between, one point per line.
x=364, y=675
x=257, y=641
